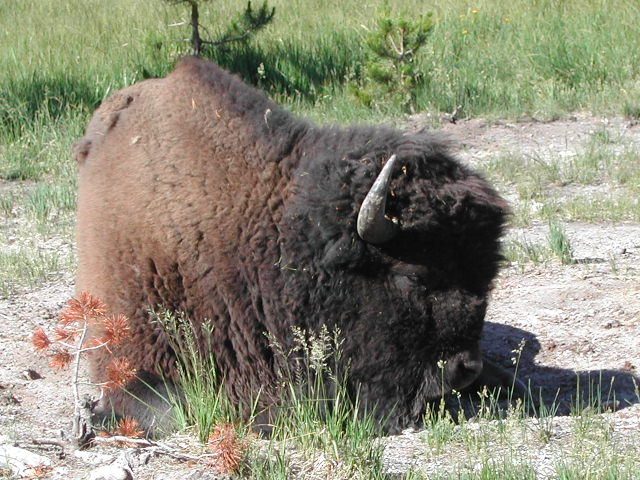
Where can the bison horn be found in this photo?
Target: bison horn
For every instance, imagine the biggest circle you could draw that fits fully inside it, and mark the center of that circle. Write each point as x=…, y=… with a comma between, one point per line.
x=373, y=226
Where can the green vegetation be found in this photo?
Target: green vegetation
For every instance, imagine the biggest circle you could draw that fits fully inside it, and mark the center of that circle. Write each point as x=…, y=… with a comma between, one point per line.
x=391, y=74
x=205, y=403
x=559, y=242
x=319, y=417
x=493, y=58
x=492, y=450
x=320, y=431
x=542, y=182
x=521, y=251
x=29, y=264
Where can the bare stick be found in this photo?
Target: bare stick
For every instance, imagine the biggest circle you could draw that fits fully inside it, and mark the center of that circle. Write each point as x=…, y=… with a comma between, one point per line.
x=153, y=446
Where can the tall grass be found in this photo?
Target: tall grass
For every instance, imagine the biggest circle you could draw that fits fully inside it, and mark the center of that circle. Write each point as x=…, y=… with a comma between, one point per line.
x=202, y=402
x=493, y=58
x=319, y=415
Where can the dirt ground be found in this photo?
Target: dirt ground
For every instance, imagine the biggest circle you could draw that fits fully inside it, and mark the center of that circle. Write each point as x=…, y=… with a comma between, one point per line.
x=577, y=321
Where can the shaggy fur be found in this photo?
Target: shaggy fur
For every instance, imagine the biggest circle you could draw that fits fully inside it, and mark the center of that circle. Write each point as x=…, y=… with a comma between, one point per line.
x=199, y=194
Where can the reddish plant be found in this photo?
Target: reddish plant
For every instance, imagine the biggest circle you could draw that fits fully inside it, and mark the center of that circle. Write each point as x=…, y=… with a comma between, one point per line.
x=115, y=329
x=40, y=339
x=228, y=449
x=60, y=358
x=119, y=372
x=129, y=427
x=71, y=340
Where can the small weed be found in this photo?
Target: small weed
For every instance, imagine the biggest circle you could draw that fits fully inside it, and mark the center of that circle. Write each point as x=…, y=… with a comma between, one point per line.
x=29, y=266
x=626, y=169
x=559, y=242
x=598, y=208
x=631, y=111
x=544, y=416
x=613, y=264
x=522, y=252
x=275, y=464
x=7, y=203
x=592, y=450
x=440, y=427
x=601, y=136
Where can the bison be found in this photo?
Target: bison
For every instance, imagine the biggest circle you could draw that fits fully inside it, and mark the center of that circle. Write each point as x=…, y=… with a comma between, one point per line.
x=200, y=195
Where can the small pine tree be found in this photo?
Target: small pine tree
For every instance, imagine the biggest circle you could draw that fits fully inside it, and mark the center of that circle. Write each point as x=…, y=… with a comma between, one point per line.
x=247, y=23
x=244, y=26
x=391, y=73
x=71, y=342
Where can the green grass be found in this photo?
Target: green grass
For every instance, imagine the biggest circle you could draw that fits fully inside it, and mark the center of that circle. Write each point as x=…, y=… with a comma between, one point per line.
x=204, y=402
x=29, y=265
x=319, y=432
x=37, y=224
x=521, y=252
x=493, y=446
x=559, y=242
x=317, y=423
x=543, y=183
x=319, y=416
x=508, y=58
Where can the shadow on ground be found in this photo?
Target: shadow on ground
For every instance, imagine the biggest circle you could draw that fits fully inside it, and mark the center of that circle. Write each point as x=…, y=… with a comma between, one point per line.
x=566, y=390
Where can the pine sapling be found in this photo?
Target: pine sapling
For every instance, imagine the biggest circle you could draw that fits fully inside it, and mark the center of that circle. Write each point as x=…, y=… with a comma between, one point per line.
x=391, y=72
x=71, y=340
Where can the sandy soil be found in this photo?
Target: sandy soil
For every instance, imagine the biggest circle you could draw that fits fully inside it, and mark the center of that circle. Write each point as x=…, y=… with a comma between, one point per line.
x=577, y=321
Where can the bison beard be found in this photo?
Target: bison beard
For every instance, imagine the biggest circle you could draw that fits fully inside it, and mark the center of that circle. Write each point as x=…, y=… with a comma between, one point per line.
x=198, y=194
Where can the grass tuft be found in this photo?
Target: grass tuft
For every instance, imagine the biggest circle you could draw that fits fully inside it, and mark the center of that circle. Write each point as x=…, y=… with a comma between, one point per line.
x=203, y=402
x=559, y=242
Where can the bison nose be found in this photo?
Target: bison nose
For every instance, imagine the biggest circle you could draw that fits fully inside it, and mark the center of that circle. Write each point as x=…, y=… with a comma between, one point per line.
x=471, y=364
x=466, y=368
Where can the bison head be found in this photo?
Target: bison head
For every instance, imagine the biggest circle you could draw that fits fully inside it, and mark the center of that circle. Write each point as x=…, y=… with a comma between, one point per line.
x=404, y=274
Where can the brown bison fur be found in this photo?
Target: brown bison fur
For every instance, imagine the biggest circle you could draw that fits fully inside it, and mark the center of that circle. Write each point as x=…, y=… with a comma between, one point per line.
x=199, y=194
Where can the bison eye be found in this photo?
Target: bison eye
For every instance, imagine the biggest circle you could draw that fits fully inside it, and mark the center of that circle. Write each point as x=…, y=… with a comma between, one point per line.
x=413, y=277
x=410, y=283
x=413, y=273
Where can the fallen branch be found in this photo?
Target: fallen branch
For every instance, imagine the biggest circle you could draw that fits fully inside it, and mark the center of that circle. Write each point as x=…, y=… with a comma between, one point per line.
x=154, y=447
x=56, y=443
x=140, y=442
x=45, y=441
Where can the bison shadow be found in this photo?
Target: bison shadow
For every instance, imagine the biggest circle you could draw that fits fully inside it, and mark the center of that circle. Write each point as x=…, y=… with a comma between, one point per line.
x=566, y=390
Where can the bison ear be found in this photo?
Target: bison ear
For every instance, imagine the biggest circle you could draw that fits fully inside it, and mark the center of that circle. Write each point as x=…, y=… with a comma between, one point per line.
x=81, y=150
x=346, y=251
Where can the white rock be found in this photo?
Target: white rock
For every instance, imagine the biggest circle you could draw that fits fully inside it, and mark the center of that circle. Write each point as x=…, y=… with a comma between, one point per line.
x=93, y=458
x=20, y=460
x=111, y=472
